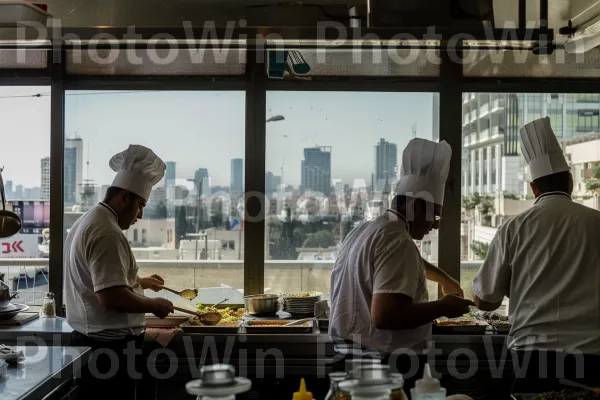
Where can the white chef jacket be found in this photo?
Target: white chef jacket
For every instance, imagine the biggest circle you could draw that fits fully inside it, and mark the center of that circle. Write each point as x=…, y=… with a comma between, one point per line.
x=378, y=256
x=97, y=256
x=547, y=261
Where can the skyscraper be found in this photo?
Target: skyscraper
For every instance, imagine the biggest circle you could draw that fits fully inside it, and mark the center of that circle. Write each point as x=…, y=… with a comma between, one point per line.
x=8, y=190
x=170, y=173
x=75, y=143
x=272, y=182
x=18, y=192
x=45, y=172
x=203, y=182
x=236, y=188
x=71, y=186
x=386, y=165
x=316, y=169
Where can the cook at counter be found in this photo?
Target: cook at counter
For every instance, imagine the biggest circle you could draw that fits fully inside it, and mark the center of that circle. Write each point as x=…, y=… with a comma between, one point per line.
x=379, y=299
x=547, y=261
x=104, y=296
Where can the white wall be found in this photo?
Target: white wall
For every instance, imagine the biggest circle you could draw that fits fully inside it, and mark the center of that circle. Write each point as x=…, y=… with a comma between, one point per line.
x=159, y=233
x=512, y=174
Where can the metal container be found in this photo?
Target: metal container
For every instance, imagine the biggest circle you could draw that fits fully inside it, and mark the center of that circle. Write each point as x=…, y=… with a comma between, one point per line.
x=5, y=296
x=261, y=304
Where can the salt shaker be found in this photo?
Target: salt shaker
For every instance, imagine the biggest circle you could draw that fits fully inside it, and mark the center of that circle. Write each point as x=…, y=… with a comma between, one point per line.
x=48, y=309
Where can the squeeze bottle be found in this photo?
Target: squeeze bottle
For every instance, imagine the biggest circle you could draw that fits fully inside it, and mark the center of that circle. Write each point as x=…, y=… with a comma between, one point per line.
x=428, y=388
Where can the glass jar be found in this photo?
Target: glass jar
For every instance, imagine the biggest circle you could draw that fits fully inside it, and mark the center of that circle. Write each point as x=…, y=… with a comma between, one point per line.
x=398, y=390
x=334, y=386
x=48, y=309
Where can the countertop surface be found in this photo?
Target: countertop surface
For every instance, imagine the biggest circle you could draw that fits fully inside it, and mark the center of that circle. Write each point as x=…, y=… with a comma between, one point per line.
x=42, y=370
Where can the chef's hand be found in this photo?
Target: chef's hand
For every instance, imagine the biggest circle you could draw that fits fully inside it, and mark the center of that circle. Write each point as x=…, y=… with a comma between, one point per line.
x=153, y=282
x=162, y=307
x=451, y=286
x=455, y=306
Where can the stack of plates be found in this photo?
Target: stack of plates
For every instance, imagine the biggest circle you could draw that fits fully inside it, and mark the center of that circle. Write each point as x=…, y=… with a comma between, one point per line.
x=10, y=310
x=301, y=304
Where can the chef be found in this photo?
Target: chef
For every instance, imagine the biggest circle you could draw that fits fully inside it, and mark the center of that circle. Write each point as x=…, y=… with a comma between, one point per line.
x=547, y=261
x=104, y=296
x=379, y=299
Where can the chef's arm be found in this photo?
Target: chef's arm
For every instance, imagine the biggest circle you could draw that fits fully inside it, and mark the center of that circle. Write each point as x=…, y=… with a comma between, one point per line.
x=484, y=305
x=123, y=299
x=447, y=283
x=396, y=311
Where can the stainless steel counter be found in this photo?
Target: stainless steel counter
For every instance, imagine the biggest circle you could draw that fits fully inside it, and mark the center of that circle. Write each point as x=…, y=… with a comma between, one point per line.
x=43, y=370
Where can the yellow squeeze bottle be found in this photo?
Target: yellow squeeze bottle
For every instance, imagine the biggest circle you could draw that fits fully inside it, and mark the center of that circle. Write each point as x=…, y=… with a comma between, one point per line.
x=302, y=394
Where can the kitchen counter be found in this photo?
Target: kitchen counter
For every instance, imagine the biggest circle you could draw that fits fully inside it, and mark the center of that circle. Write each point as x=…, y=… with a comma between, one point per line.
x=43, y=371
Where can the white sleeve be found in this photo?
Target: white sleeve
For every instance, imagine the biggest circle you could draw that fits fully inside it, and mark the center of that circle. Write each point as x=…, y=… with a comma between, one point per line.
x=492, y=282
x=397, y=267
x=108, y=260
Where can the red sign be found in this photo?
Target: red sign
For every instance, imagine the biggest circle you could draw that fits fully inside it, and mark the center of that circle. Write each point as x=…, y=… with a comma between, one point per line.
x=12, y=247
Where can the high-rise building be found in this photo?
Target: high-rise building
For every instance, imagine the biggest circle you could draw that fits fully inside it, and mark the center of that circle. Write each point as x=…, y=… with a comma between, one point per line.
x=386, y=165
x=71, y=186
x=170, y=174
x=74, y=143
x=272, y=183
x=237, y=178
x=36, y=193
x=316, y=169
x=203, y=182
x=492, y=162
x=18, y=192
x=45, y=173
x=8, y=190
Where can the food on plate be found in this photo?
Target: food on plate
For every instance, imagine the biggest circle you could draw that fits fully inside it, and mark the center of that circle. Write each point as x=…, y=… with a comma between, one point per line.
x=461, y=321
x=492, y=318
x=196, y=321
x=227, y=314
x=566, y=394
x=301, y=295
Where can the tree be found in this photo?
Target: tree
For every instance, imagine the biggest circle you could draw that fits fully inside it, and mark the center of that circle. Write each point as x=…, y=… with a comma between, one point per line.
x=321, y=239
x=593, y=184
x=484, y=204
x=480, y=249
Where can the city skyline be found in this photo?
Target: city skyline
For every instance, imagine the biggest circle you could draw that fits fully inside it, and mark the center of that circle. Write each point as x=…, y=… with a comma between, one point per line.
x=207, y=129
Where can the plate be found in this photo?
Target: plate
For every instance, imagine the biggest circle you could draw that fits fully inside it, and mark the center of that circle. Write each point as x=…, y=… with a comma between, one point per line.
x=11, y=314
x=170, y=321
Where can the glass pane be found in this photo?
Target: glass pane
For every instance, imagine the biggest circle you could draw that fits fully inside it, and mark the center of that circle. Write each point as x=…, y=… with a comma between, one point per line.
x=523, y=63
x=332, y=160
x=23, y=58
x=24, y=256
x=487, y=204
x=191, y=231
x=156, y=62
x=359, y=62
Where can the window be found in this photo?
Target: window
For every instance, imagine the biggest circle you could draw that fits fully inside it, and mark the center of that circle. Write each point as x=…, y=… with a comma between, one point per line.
x=481, y=219
x=476, y=168
x=485, y=167
x=25, y=124
x=200, y=137
x=336, y=171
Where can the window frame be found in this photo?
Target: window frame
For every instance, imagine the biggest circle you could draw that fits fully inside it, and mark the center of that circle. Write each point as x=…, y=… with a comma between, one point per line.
x=451, y=85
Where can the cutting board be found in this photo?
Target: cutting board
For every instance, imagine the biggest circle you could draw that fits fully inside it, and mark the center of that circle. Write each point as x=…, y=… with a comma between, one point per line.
x=19, y=319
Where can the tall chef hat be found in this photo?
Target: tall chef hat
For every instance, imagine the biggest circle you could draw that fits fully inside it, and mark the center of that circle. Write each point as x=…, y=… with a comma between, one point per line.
x=541, y=149
x=425, y=168
x=138, y=170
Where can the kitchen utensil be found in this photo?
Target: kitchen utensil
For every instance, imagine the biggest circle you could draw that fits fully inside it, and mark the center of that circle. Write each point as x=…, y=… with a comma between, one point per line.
x=5, y=296
x=10, y=223
x=208, y=318
x=567, y=382
x=188, y=294
x=301, y=321
x=221, y=302
x=13, y=312
x=261, y=304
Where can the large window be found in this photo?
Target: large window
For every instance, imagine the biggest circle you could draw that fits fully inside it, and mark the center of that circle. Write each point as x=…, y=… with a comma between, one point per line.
x=332, y=163
x=25, y=157
x=191, y=233
x=487, y=207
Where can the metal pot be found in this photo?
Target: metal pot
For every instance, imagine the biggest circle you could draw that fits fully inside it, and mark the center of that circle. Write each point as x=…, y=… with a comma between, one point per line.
x=5, y=296
x=262, y=304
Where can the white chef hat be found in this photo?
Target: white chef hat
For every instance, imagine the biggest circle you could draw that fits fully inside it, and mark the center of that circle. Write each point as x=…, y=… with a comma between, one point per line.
x=541, y=149
x=138, y=170
x=424, y=171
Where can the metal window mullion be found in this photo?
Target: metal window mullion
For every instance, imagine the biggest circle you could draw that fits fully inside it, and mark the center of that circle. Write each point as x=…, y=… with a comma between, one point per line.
x=451, y=132
x=255, y=150
x=57, y=140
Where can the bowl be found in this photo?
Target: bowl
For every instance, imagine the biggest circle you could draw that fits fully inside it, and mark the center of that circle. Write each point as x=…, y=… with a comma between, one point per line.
x=261, y=304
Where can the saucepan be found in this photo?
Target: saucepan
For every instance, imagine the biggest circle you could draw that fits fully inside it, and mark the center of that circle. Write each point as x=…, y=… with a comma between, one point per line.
x=5, y=296
x=261, y=304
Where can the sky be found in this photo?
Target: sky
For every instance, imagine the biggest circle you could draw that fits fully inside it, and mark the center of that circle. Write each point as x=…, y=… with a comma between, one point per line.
x=206, y=129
